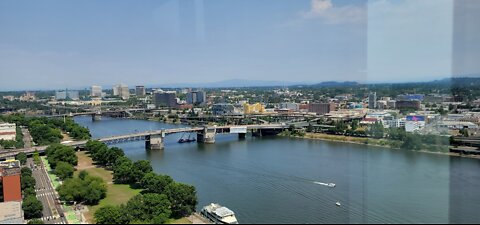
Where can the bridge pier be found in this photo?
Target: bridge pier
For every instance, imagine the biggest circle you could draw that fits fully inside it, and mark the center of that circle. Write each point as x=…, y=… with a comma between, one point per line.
x=242, y=136
x=207, y=135
x=96, y=117
x=154, y=142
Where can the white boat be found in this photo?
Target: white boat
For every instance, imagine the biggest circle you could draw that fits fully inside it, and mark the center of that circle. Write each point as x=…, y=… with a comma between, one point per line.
x=331, y=185
x=219, y=214
x=338, y=204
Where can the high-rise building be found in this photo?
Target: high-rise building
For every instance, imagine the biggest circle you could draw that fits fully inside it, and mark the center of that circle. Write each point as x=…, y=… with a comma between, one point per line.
x=196, y=97
x=165, y=99
x=8, y=131
x=67, y=95
x=140, y=91
x=121, y=91
x=96, y=91
x=372, y=100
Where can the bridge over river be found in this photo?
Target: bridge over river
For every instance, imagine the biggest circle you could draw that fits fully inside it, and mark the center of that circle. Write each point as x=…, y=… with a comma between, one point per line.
x=154, y=139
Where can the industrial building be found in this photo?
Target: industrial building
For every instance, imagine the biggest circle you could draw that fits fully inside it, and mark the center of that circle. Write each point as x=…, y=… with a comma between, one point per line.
x=321, y=108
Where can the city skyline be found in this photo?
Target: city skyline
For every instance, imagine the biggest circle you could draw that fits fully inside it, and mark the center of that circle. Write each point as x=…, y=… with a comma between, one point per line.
x=195, y=41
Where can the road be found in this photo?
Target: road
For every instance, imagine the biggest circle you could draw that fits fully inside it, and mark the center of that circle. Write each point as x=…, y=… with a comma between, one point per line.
x=27, y=138
x=47, y=195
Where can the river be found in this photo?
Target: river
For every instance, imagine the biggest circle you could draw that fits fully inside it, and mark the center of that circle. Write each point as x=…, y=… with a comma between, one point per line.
x=271, y=179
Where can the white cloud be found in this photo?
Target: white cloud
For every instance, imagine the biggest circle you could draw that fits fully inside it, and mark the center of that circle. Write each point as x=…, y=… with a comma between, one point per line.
x=331, y=14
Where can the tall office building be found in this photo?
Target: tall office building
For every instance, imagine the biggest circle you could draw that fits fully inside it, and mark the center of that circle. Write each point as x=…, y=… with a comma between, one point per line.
x=96, y=91
x=67, y=95
x=165, y=99
x=372, y=100
x=121, y=91
x=140, y=91
x=196, y=97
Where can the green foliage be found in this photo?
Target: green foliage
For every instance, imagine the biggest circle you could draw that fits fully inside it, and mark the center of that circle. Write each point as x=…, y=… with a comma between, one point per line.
x=32, y=207
x=183, y=198
x=64, y=170
x=146, y=207
x=140, y=168
x=89, y=190
x=22, y=157
x=35, y=221
x=7, y=144
x=111, y=215
x=44, y=134
x=154, y=183
x=36, y=158
x=377, y=130
x=60, y=153
x=123, y=172
x=27, y=182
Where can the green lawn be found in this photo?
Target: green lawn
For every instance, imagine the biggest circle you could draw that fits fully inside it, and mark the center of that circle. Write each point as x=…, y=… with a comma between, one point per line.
x=117, y=194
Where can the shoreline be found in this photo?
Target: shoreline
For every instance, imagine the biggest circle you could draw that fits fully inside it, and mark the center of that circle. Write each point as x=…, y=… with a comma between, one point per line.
x=334, y=138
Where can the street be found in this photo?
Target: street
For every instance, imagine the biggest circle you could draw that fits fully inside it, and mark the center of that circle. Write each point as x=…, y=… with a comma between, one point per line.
x=52, y=212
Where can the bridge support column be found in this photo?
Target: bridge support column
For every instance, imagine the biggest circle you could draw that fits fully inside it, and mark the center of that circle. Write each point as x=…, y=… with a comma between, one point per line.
x=207, y=135
x=96, y=117
x=154, y=142
x=242, y=136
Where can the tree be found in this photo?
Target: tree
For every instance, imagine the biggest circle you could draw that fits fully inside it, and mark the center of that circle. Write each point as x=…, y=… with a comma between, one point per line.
x=146, y=207
x=27, y=182
x=35, y=221
x=89, y=190
x=61, y=153
x=25, y=171
x=22, y=157
x=111, y=215
x=64, y=170
x=141, y=168
x=123, y=172
x=154, y=183
x=32, y=207
x=183, y=198
x=412, y=142
x=36, y=158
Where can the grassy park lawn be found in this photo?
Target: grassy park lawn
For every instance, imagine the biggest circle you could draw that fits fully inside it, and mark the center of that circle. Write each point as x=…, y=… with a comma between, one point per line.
x=117, y=193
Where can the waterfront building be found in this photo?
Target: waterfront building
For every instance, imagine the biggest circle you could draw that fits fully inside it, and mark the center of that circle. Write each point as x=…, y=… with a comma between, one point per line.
x=96, y=91
x=140, y=91
x=222, y=109
x=123, y=92
x=372, y=100
x=10, y=178
x=8, y=131
x=165, y=99
x=414, y=123
x=321, y=108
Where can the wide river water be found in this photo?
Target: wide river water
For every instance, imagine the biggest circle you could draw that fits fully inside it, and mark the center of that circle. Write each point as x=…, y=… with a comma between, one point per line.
x=272, y=179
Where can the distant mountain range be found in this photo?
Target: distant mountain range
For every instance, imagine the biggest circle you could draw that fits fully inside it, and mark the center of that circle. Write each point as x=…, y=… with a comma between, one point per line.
x=231, y=84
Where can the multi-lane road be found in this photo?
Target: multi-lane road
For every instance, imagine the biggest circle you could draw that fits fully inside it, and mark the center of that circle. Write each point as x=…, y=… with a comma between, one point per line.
x=52, y=209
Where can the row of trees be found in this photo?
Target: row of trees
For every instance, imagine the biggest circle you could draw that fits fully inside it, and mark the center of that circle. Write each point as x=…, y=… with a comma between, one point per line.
x=31, y=206
x=62, y=160
x=46, y=131
x=161, y=197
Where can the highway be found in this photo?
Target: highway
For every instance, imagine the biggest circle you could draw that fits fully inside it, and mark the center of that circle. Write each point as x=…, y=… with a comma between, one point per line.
x=52, y=212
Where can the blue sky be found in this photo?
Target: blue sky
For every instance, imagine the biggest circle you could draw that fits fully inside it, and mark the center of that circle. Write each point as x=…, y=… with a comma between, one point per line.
x=72, y=44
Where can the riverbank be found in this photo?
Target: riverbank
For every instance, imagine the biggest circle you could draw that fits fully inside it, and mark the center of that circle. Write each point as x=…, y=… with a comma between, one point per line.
x=384, y=143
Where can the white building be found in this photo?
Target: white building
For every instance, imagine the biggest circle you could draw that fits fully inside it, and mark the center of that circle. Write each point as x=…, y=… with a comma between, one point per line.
x=414, y=123
x=8, y=131
x=121, y=91
x=96, y=91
